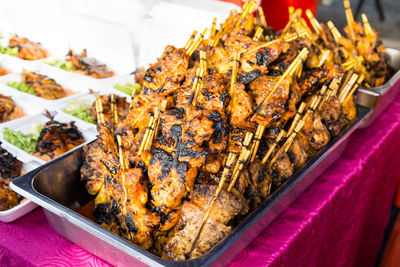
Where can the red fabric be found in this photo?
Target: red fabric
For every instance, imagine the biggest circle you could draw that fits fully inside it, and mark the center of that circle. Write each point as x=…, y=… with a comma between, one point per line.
x=337, y=221
x=276, y=12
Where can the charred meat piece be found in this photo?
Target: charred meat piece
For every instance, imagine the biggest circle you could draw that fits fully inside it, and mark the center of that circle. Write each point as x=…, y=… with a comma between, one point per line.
x=57, y=138
x=225, y=209
x=27, y=49
x=274, y=108
x=89, y=65
x=171, y=179
x=330, y=112
x=7, y=106
x=43, y=86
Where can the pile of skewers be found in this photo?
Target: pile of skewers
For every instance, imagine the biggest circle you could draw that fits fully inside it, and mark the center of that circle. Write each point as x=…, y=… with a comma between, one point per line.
x=221, y=123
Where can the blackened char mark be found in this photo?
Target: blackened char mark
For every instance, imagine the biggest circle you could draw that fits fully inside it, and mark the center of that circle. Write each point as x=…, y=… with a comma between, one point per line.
x=218, y=125
x=264, y=56
x=250, y=76
x=166, y=162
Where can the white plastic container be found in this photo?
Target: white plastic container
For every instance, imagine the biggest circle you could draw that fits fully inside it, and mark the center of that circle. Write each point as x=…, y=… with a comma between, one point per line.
x=39, y=101
x=21, y=100
x=28, y=124
x=82, y=79
x=26, y=205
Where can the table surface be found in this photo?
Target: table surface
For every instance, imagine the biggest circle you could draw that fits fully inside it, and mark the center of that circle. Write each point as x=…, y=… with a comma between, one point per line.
x=338, y=221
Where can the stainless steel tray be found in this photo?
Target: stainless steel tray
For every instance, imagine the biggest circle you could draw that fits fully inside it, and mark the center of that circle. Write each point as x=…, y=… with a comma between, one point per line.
x=57, y=188
x=379, y=98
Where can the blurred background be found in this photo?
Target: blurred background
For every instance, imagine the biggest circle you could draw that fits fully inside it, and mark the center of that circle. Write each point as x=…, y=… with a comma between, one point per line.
x=130, y=33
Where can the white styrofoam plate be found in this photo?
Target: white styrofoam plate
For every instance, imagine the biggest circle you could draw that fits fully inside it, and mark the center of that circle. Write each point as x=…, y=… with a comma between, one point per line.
x=29, y=123
x=26, y=205
x=84, y=80
x=39, y=101
x=21, y=100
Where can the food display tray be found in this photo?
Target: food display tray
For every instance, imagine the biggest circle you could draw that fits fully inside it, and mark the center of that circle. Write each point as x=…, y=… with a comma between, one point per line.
x=26, y=205
x=56, y=72
x=56, y=186
x=27, y=123
x=379, y=98
x=39, y=101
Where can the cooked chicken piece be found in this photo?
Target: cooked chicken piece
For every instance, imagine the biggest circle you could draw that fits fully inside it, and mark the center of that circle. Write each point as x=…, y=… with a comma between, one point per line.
x=330, y=113
x=91, y=170
x=57, y=138
x=89, y=65
x=241, y=108
x=27, y=49
x=274, y=108
x=7, y=106
x=297, y=154
x=315, y=131
x=43, y=86
x=225, y=209
x=171, y=180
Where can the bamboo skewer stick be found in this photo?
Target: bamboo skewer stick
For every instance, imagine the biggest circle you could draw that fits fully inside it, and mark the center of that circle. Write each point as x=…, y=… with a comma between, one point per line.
x=113, y=110
x=242, y=161
x=256, y=142
x=198, y=82
x=190, y=41
x=248, y=9
x=347, y=87
x=367, y=27
x=196, y=43
x=261, y=17
x=243, y=157
x=281, y=134
x=296, y=118
x=124, y=166
x=331, y=90
x=236, y=58
x=350, y=19
x=314, y=22
x=335, y=32
x=291, y=12
x=258, y=34
x=146, y=135
x=350, y=94
x=99, y=111
x=213, y=28
x=225, y=173
x=287, y=143
x=324, y=57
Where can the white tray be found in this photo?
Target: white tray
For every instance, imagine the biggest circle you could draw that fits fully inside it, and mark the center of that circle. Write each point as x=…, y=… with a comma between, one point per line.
x=39, y=101
x=26, y=125
x=85, y=80
x=26, y=206
x=21, y=100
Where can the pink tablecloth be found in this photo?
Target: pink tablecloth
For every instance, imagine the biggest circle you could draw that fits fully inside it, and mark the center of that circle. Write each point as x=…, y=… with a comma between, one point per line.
x=338, y=221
